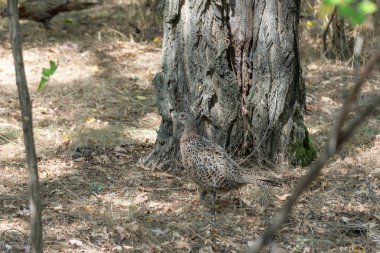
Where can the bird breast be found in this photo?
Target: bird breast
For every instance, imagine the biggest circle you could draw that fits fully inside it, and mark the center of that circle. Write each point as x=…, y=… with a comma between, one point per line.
x=205, y=165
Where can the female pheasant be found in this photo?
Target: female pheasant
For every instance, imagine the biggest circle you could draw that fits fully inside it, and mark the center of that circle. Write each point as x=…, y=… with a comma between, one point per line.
x=209, y=165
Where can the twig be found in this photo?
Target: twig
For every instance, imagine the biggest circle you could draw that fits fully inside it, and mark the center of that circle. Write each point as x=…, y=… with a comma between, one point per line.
x=9, y=141
x=117, y=32
x=163, y=189
x=27, y=125
x=324, y=36
x=13, y=229
x=337, y=138
x=130, y=97
x=72, y=193
x=12, y=197
x=371, y=194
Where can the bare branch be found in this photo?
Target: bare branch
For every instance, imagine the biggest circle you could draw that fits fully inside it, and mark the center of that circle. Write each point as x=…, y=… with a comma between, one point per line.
x=337, y=138
x=325, y=32
x=27, y=123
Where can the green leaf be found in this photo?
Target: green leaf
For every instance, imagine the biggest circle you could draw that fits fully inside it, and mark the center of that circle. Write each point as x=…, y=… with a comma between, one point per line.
x=68, y=21
x=337, y=2
x=352, y=14
x=347, y=11
x=53, y=66
x=367, y=7
x=46, y=72
x=355, y=11
x=358, y=18
x=331, y=2
x=42, y=84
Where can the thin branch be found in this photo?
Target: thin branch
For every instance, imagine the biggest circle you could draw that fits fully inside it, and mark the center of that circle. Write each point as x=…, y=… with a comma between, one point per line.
x=27, y=126
x=8, y=140
x=132, y=99
x=324, y=36
x=337, y=138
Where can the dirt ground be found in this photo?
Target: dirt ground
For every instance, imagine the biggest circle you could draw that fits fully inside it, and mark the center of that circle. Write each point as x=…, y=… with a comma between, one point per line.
x=97, y=118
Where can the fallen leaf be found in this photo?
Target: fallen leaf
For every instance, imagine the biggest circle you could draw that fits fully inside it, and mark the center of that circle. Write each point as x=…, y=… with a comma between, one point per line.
x=306, y=250
x=206, y=249
x=117, y=249
x=58, y=207
x=158, y=231
x=119, y=149
x=140, y=97
x=157, y=40
x=349, y=160
x=90, y=120
x=358, y=249
x=283, y=197
x=176, y=234
x=75, y=242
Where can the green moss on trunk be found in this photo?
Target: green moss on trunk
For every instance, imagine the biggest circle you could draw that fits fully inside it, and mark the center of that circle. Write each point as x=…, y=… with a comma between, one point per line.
x=303, y=153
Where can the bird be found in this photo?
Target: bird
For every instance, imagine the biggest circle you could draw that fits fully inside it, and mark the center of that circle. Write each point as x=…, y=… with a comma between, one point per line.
x=209, y=165
x=44, y=10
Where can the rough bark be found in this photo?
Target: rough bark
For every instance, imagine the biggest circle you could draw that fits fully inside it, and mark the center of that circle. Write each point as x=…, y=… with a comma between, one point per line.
x=235, y=66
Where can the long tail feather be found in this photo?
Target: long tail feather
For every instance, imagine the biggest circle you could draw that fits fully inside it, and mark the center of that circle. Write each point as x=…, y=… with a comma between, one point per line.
x=259, y=180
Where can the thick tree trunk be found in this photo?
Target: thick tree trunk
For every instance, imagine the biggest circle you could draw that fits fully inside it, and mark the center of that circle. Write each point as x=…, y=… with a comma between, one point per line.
x=235, y=66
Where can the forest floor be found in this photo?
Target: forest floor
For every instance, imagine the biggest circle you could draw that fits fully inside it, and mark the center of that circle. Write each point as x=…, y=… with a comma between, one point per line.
x=97, y=119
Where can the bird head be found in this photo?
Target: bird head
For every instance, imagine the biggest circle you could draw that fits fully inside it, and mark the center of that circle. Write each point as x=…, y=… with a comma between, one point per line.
x=186, y=119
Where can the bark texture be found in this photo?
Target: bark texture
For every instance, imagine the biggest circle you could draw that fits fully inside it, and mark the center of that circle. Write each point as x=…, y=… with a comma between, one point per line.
x=235, y=66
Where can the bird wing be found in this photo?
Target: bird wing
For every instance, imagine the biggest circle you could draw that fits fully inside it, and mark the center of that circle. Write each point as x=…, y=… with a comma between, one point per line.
x=229, y=168
x=217, y=159
x=220, y=155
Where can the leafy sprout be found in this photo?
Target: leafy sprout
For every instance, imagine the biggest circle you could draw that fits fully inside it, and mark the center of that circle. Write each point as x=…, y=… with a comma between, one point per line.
x=46, y=73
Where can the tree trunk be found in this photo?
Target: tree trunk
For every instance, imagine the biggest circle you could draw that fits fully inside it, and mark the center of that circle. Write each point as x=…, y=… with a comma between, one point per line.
x=27, y=127
x=235, y=66
x=341, y=44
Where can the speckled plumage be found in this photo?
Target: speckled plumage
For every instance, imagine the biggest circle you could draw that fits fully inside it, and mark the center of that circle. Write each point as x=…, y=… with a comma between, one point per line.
x=208, y=164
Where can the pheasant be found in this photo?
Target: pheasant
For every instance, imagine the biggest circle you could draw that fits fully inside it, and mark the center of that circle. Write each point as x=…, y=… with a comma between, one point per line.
x=44, y=10
x=208, y=165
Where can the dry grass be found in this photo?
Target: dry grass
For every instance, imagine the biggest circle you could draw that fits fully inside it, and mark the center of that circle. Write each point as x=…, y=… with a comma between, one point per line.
x=98, y=117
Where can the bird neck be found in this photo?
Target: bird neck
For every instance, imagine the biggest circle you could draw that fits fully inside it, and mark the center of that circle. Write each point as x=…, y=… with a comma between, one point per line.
x=190, y=130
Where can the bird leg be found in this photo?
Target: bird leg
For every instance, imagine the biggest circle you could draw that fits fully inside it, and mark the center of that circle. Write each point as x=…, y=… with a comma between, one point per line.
x=203, y=195
x=213, y=198
x=46, y=24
